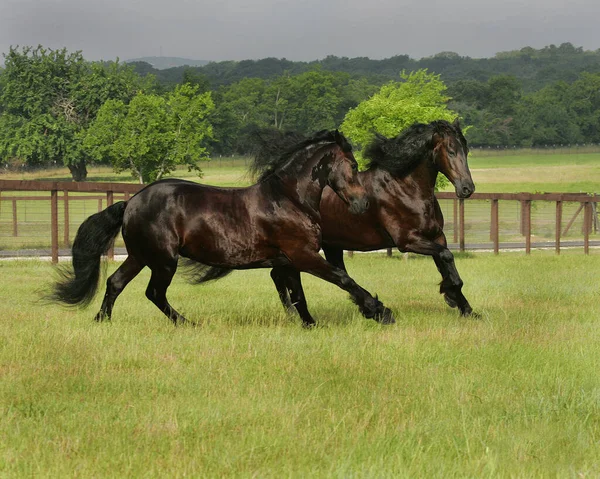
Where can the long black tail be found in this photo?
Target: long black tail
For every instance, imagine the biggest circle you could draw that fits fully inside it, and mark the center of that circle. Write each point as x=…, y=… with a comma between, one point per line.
x=198, y=273
x=78, y=285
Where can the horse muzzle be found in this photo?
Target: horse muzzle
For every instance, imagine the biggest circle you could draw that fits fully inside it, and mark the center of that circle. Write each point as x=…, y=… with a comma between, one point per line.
x=359, y=205
x=464, y=189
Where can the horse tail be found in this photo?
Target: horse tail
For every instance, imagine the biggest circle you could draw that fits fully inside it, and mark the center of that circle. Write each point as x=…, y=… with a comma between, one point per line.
x=78, y=285
x=198, y=273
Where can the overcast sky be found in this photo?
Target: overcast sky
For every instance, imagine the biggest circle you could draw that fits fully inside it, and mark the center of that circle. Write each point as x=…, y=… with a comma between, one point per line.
x=296, y=29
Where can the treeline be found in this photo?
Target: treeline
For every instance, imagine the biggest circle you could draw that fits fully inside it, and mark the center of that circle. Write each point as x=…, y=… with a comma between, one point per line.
x=523, y=98
x=533, y=68
x=56, y=107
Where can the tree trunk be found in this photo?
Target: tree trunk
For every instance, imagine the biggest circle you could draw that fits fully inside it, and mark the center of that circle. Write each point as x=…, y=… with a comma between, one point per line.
x=78, y=170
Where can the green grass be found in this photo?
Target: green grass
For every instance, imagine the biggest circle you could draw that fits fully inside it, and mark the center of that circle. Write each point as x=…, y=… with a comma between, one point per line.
x=250, y=393
x=564, y=173
x=217, y=171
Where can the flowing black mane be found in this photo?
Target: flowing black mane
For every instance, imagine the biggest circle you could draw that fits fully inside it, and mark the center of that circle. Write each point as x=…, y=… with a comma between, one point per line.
x=275, y=148
x=401, y=154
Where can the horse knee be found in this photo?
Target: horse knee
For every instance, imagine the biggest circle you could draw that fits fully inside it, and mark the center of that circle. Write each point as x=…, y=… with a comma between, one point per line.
x=447, y=256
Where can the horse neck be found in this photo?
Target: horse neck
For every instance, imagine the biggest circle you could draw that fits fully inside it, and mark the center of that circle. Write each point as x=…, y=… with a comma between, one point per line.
x=304, y=181
x=424, y=175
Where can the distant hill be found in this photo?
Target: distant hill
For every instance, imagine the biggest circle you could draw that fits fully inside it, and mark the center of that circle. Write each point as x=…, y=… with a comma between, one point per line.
x=162, y=63
x=533, y=68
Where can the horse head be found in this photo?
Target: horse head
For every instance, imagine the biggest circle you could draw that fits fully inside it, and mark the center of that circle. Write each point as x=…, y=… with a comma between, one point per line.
x=450, y=156
x=343, y=176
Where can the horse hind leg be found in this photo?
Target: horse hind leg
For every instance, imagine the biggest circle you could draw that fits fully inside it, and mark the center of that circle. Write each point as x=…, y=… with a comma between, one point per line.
x=116, y=283
x=278, y=275
x=334, y=256
x=161, y=278
x=296, y=292
x=291, y=293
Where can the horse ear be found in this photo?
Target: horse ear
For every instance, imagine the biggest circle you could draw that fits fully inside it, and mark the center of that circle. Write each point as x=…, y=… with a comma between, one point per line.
x=456, y=124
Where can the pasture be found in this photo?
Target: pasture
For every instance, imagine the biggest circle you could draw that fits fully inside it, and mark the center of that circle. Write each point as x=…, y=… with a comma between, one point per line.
x=250, y=393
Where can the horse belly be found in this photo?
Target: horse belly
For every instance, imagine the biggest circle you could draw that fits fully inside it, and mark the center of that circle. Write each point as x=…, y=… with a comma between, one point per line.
x=225, y=245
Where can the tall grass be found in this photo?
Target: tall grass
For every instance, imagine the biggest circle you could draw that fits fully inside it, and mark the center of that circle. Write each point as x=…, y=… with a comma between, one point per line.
x=249, y=393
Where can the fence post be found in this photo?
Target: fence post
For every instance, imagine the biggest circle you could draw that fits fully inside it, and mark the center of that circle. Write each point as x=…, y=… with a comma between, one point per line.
x=455, y=219
x=54, y=224
x=66, y=229
x=109, y=202
x=14, y=215
x=558, y=226
x=526, y=222
x=587, y=226
x=461, y=216
x=495, y=226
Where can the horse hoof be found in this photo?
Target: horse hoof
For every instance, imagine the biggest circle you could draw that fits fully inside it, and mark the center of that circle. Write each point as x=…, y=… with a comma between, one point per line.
x=469, y=313
x=100, y=317
x=307, y=325
x=385, y=317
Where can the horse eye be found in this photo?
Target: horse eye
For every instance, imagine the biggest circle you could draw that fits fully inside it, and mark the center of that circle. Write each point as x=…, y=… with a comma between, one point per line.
x=354, y=166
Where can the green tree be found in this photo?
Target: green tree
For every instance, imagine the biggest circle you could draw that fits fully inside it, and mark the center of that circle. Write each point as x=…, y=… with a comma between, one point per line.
x=49, y=97
x=152, y=134
x=419, y=97
x=584, y=103
x=240, y=108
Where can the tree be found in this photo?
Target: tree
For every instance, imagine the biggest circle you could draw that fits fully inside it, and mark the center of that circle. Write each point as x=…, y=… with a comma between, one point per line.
x=419, y=97
x=240, y=109
x=153, y=134
x=49, y=97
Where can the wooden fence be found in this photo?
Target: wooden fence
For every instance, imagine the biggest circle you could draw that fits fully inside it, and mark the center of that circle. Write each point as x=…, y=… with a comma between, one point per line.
x=572, y=225
x=63, y=191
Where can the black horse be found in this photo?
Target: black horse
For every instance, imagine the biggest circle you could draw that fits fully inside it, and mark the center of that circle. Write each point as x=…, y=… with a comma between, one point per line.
x=270, y=224
x=403, y=211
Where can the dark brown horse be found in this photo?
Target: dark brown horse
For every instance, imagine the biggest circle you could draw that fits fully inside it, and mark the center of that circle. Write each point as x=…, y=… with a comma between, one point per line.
x=274, y=223
x=403, y=210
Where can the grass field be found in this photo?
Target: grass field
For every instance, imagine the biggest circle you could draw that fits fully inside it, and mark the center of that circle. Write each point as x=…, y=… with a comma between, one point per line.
x=249, y=393
x=565, y=173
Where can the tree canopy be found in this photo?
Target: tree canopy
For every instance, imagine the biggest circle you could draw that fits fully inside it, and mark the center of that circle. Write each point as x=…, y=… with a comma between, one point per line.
x=56, y=108
x=49, y=97
x=418, y=98
x=153, y=134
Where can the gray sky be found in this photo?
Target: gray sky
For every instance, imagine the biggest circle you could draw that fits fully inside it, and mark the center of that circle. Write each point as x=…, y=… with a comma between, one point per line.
x=296, y=29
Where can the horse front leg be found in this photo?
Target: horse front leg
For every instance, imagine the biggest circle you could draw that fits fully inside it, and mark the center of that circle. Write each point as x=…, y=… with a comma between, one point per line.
x=451, y=284
x=369, y=306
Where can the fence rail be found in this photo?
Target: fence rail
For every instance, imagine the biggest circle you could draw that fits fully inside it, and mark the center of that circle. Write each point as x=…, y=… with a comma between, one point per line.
x=108, y=190
x=36, y=215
